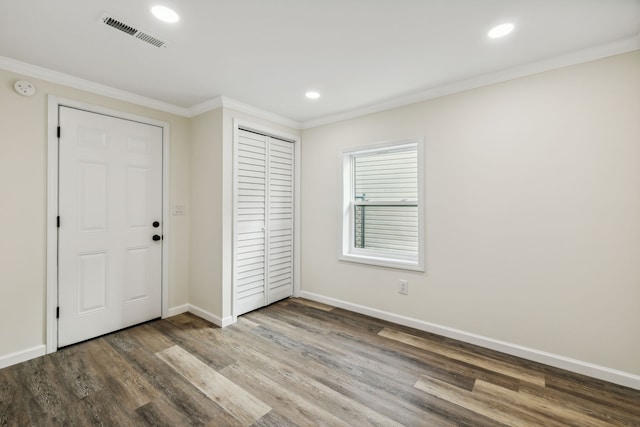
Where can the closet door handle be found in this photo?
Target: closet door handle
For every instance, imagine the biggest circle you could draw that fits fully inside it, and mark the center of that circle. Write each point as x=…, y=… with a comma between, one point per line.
x=156, y=237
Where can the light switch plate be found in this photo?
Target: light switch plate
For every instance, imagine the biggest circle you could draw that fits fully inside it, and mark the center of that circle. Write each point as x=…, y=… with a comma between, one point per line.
x=178, y=210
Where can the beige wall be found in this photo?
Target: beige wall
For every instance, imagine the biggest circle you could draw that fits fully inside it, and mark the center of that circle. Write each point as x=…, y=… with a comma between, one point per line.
x=23, y=194
x=206, y=212
x=532, y=212
x=532, y=207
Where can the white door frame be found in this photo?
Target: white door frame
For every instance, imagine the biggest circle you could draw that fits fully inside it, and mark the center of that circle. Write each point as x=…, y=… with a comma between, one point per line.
x=295, y=140
x=54, y=103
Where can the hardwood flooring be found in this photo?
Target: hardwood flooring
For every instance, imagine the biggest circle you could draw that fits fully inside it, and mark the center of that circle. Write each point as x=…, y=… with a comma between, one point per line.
x=299, y=363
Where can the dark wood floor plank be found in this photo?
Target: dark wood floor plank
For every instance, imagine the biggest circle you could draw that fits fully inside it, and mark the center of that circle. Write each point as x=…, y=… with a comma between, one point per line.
x=280, y=377
x=98, y=409
x=235, y=400
x=273, y=419
x=360, y=366
x=158, y=413
x=591, y=390
x=289, y=402
x=604, y=412
x=382, y=359
x=182, y=334
x=325, y=348
x=369, y=392
x=149, y=339
x=225, y=420
x=500, y=367
x=407, y=401
x=544, y=409
x=366, y=342
x=309, y=364
x=18, y=407
x=127, y=385
x=329, y=354
x=177, y=395
x=255, y=354
x=312, y=314
x=82, y=378
x=41, y=378
x=308, y=303
x=489, y=408
x=454, y=344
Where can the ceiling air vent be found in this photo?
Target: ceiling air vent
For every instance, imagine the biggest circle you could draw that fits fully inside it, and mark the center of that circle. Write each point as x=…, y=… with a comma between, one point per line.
x=132, y=31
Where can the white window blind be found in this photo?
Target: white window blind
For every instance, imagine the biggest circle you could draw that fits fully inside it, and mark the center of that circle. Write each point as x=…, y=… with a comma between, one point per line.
x=382, y=208
x=386, y=201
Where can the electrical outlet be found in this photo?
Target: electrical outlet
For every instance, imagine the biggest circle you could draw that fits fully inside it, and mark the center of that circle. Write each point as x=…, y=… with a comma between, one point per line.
x=403, y=288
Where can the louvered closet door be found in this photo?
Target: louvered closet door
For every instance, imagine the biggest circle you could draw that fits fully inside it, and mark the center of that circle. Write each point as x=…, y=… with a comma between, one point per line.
x=250, y=222
x=280, y=221
x=263, y=223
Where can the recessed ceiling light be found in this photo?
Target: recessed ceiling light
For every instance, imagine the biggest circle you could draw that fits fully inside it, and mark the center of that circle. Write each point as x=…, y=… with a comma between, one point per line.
x=501, y=30
x=165, y=14
x=312, y=94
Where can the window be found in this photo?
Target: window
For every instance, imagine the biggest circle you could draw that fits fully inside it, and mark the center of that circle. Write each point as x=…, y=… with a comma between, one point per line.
x=382, y=212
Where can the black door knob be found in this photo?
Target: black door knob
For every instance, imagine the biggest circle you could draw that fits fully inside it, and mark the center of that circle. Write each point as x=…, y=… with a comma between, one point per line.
x=156, y=224
x=156, y=237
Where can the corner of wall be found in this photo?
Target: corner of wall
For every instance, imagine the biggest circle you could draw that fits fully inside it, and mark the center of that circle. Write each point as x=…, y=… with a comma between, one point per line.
x=205, y=230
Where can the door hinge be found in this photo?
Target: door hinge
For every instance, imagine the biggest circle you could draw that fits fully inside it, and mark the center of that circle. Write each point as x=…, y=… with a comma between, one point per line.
x=58, y=221
x=57, y=312
x=58, y=131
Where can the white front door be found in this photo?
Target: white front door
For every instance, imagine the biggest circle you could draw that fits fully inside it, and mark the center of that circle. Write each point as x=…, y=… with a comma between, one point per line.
x=110, y=207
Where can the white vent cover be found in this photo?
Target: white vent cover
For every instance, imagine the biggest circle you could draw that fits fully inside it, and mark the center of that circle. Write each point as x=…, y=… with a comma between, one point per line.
x=132, y=31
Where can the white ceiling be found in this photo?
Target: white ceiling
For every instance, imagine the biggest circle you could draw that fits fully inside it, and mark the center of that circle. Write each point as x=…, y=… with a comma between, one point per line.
x=267, y=53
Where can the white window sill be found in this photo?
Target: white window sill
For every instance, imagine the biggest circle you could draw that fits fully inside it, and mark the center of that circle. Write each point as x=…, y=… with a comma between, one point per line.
x=382, y=262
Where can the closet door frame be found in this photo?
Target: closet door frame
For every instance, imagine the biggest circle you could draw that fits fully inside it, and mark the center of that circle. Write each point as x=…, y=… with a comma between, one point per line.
x=294, y=139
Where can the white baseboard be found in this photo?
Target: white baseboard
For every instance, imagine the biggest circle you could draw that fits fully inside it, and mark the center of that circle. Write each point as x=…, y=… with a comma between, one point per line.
x=174, y=311
x=216, y=320
x=205, y=315
x=22, y=356
x=227, y=321
x=32, y=353
x=585, y=368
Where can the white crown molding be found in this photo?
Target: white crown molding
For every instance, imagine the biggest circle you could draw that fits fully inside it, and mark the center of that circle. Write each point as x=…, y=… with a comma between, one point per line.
x=56, y=77
x=226, y=102
x=87, y=86
x=578, y=366
x=205, y=106
x=573, y=58
x=259, y=113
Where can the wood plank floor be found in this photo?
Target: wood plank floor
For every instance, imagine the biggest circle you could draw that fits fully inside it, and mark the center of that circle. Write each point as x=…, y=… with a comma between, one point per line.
x=300, y=363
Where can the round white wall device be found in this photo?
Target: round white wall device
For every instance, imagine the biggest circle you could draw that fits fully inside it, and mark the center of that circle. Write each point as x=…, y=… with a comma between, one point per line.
x=24, y=87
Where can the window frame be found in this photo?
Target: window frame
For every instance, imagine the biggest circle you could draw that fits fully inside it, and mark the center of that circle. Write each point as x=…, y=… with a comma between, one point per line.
x=346, y=222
